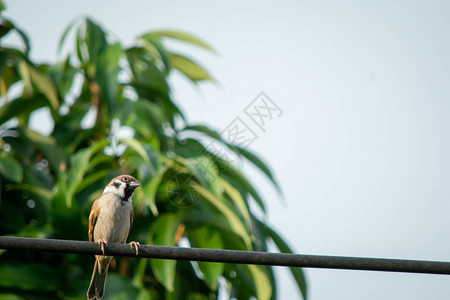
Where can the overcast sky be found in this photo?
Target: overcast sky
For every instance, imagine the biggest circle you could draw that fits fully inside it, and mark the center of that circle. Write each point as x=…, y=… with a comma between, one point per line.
x=361, y=148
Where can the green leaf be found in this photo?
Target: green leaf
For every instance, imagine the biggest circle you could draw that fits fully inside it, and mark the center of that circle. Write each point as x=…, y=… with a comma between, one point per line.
x=29, y=277
x=230, y=173
x=146, y=74
x=80, y=163
x=10, y=74
x=204, y=170
x=21, y=107
x=298, y=274
x=149, y=188
x=119, y=288
x=171, y=111
x=235, y=223
x=92, y=178
x=189, y=68
x=238, y=200
x=64, y=209
x=205, y=237
x=47, y=144
x=65, y=33
x=146, y=118
x=46, y=86
x=10, y=168
x=191, y=166
x=146, y=294
x=62, y=74
x=255, y=160
x=197, y=296
x=25, y=40
x=206, y=130
x=10, y=297
x=150, y=175
x=24, y=71
x=4, y=56
x=36, y=190
x=137, y=146
x=163, y=232
x=107, y=74
x=261, y=282
x=182, y=36
x=5, y=27
x=94, y=40
x=65, y=217
x=153, y=44
x=226, y=169
x=251, y=281
x=80, y=45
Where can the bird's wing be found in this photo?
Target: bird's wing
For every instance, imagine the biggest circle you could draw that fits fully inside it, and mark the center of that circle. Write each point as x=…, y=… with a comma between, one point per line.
x=131, y=219
x=95, y=210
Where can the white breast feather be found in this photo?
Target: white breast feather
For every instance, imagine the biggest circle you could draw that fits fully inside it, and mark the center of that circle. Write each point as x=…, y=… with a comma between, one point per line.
x=113, y=222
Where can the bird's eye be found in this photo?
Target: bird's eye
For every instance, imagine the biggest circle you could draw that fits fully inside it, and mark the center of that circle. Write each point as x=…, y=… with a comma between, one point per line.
x=125, y=179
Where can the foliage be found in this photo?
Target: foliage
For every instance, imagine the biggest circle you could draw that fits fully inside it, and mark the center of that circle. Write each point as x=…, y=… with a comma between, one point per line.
x=188, y=193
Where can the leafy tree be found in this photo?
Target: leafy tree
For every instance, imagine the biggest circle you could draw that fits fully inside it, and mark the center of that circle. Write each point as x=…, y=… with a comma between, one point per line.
x=188, y=192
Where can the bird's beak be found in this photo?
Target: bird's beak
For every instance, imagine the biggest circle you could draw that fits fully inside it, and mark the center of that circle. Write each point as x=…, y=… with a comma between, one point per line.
x=134, y=183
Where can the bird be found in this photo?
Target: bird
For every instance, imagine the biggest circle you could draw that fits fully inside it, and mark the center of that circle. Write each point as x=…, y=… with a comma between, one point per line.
x=110, y=221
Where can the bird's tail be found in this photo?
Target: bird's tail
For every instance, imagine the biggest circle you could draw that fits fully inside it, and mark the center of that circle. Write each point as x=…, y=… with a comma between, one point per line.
x=98, y=282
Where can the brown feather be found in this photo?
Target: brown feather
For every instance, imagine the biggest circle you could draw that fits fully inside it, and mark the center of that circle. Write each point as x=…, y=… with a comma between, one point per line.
x=131, y=220
x=93, y=219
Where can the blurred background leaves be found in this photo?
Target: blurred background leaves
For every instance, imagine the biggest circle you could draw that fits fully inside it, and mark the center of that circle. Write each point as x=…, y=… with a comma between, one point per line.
x=113, y=113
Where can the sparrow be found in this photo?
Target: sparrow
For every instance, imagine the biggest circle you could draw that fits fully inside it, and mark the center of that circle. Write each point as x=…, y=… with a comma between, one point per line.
x=110, y=221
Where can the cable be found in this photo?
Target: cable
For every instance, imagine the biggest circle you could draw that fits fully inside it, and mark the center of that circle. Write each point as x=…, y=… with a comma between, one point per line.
x=229, y=256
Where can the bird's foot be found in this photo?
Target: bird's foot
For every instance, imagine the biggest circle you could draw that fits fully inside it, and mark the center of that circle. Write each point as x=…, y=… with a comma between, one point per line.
x=136, y=246
x=102, y=244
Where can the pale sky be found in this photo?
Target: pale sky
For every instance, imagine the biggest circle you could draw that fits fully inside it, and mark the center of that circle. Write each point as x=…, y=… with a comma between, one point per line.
x=362, y=147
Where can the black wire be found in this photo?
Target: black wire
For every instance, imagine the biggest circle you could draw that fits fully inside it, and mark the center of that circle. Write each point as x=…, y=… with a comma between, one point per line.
x=229, y=256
